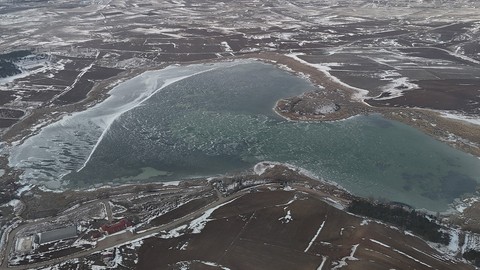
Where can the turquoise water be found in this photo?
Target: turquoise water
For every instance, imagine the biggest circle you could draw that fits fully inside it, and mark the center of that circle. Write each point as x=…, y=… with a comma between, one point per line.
x=221, y=121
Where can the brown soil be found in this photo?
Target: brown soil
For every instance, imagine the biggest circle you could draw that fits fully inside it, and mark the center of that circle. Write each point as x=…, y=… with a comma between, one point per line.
x=248, y=233
x=5, y=123
x=6, y=97
x=183, y=210
x=40, y=96
x=451, y=94
x=76, y=94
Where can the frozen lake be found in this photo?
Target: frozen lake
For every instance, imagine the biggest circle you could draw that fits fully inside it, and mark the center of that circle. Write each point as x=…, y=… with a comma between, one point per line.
x=209, y=119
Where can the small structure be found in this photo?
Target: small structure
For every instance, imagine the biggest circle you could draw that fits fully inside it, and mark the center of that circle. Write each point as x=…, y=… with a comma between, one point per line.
x=24, y=244
x=116, y=227
x=56, y=235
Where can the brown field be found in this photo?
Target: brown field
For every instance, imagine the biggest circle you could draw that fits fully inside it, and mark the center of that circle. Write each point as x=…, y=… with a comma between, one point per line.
x=461, y=95
x=183, y=210
x=4, y=123
x=248, y=233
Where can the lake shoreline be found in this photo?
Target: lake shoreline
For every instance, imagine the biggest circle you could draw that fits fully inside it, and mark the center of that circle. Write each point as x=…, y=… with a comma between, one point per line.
x=349, y=107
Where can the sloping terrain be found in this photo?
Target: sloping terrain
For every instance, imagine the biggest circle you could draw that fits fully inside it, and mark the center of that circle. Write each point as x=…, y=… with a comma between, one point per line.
x=291, y=230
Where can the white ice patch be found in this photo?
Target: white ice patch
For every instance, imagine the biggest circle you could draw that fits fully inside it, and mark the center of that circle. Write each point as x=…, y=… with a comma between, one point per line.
x=47, y=148
x=262, y=167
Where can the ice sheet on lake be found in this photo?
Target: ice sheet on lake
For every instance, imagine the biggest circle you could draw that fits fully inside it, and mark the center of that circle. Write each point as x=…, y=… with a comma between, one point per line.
x=67, y=145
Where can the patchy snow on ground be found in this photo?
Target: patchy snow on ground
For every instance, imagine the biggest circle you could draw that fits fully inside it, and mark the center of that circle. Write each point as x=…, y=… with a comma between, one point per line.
x=472, y=242
x=326, y=109
x=173, y=233
x=171, y=183
x=315, y=236
x=364, y=222
x=102, y=213
x=17, y=205
x=334, y=203
x=226, y=47
x=400, y=252
x=324, y=259
x=379, y=243
x=198, y=224
x=396, y=86
x=117, y=260
x=195, y=226
x=453, y=246
x=184, y=246
x=412, y=258
x=214, y=265
x=343, y=261
x=359, y=96
x=24, y=189
x=289, y=202
x=287, y=218
x=185, y=265
x=460, y=117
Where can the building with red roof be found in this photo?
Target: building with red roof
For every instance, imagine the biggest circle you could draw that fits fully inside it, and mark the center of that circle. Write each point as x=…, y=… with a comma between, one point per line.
x=116, y=227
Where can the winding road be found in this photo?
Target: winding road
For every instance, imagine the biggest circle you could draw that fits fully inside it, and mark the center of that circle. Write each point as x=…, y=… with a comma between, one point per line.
x=116, y=239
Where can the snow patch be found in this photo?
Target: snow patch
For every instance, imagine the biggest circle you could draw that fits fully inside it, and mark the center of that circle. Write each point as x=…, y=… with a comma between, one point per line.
x=262, y=167
x=315, y=236
x=324, y=259
x=171, y=183
x=380, y=243
x=359, y=96
x=226, y=47
x=464, y=118
x=343, y=261
x=364, y=222
x=198, y=224
x=173, y=233
x=287, y=218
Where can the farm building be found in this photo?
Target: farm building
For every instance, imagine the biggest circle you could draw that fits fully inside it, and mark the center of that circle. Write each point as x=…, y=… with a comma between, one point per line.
x=116, y=227
x=57, y=235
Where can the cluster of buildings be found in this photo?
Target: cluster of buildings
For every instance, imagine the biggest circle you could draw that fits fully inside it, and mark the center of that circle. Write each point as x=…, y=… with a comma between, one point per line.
x=27, y=244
